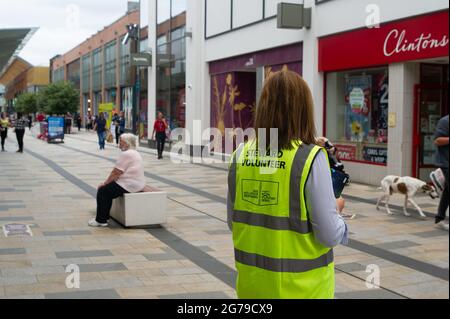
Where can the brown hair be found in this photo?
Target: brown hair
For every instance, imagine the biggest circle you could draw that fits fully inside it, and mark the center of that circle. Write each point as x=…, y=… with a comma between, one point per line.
x=286, y=104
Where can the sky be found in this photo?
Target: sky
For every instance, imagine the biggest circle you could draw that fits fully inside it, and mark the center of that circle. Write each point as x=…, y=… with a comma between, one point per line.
x=63, y=24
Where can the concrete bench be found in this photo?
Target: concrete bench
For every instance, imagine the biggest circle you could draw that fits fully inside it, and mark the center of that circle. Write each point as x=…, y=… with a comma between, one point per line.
x=147, y=208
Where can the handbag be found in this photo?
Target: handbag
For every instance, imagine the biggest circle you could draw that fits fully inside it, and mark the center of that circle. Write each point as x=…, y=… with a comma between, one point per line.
x=109, y=137
x=438, y=179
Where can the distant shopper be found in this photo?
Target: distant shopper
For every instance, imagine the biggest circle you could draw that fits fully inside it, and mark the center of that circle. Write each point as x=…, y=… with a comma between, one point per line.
x=78, y=120
x=159, y=128
x=19, y=127
x=100, y=128
x=30, y=122
x=126, y=177
x=121, y=124
x=40, y=118
x=4, y=125
x=442, y=142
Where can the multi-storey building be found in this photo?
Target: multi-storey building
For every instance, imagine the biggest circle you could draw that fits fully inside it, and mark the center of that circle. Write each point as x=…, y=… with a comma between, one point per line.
x=378, y=70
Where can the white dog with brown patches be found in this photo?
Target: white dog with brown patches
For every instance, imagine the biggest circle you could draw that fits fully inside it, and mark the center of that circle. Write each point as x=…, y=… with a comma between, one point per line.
x=407, y=186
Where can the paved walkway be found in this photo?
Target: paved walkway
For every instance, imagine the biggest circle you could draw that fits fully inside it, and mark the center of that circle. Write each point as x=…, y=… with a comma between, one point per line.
x=52, y=189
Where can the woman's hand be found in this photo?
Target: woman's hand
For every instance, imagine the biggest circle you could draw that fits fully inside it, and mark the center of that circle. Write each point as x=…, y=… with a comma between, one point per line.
x=340, y=202
x=101, y=185
x=321, y=141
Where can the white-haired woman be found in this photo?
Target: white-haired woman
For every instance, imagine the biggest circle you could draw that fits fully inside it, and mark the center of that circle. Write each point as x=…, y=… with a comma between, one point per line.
x=126, y=177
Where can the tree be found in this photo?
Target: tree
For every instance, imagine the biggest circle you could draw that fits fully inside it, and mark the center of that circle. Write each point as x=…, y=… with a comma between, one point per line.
x=27, y=103
x=59, y=98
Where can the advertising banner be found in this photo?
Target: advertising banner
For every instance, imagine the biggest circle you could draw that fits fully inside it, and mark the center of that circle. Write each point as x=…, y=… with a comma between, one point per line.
x=346, y=152
x=55, y=128
x=375, y=154
x=359, y=101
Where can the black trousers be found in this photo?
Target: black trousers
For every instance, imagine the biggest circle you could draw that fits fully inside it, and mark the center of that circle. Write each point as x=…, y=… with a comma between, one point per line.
x=4, y=135
x=20, y=134
x=105, y=197
x=160, y=142
x=443, y=205
x=119, y=132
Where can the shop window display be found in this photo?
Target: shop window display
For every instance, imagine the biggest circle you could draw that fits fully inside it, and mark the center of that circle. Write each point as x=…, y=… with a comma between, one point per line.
x=357, y=114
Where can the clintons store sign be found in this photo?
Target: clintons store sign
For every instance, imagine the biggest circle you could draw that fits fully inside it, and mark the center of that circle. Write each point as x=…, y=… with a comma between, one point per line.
x=422, y=37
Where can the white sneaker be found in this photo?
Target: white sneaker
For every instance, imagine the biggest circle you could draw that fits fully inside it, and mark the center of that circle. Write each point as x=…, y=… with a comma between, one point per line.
x=443, y=225
x=93, y=223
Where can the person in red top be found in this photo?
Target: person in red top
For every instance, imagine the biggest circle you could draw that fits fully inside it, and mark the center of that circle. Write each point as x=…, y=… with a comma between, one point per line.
x=160, y=128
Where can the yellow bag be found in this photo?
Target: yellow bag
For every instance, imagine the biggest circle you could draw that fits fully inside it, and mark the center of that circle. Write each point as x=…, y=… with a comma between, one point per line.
x=110, y=137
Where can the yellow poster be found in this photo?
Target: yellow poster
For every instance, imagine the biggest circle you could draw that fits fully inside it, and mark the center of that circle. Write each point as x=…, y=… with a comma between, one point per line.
x=107, y=109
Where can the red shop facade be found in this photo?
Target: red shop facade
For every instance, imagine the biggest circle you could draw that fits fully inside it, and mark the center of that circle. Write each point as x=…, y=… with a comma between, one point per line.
x=385, y=89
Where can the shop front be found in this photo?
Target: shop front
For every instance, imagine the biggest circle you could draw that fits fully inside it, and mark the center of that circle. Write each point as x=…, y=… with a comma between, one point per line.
x=385, y=90
x=236, y=84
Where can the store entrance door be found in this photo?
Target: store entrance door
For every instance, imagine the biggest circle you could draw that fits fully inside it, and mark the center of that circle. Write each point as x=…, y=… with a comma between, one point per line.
x=430, y=105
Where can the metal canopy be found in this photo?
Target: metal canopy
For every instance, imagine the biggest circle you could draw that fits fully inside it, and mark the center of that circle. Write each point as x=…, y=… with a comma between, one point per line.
x=11, y=42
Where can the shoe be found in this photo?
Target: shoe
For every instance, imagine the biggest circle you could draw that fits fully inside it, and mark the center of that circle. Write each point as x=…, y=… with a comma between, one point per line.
x=348, y=216
x=443, y=225
x=94, y=223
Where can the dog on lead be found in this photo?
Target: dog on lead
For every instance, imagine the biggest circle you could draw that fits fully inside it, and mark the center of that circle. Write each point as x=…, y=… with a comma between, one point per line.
x=407, y=186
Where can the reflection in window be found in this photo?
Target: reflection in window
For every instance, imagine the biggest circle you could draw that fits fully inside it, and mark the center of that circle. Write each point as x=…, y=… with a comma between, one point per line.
x=357, y=114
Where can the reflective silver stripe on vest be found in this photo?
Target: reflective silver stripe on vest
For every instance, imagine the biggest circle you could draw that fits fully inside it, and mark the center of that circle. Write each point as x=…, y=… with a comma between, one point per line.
x=272, y=222
x=298, y=164
x=232, y=174
x=283, y=265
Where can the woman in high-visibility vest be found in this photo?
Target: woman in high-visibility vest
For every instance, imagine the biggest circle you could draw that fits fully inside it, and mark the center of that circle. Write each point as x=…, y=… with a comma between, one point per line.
x=281, y=205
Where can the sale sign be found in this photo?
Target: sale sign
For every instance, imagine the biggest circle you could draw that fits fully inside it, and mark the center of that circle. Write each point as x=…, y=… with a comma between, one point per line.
x=346, y=152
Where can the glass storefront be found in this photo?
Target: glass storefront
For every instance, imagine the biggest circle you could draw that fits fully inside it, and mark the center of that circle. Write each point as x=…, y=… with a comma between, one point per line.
x=432, y=106
x=110, y=65
x=357, y=112
x=86, y=73
x=171, y=61
x=97, y=70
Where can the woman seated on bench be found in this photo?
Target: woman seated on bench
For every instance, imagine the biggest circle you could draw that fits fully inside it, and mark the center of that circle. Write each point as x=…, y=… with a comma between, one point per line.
x=126, y=177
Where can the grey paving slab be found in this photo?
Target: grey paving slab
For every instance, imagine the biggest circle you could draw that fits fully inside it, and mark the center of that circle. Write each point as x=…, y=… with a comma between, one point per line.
x=369, y=294
x=218, y=232
x=20, y=280
x=193, y=217
x=4, y=208
x=83, y=253
x=351, y=267
x=66, y=233
x=397, y=245
x=16, y=219
x=13, y=251
x=197, y=296
x=93, y=294
x=432, y=234
x=162, y=257
x=102, y=267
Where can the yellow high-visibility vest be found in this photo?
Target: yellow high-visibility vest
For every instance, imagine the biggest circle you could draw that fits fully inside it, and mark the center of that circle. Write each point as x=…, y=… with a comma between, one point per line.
x=277, y=255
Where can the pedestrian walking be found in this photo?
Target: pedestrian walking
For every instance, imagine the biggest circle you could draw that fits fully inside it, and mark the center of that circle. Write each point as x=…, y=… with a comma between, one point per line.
x=78, y=120
x=30, y=121
x=120, y=126
x=442, y=142
x=4, y=125
x=126, y=177
x=100, y=128
x=281, y=205
x=19, y=128
x=159, y=128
